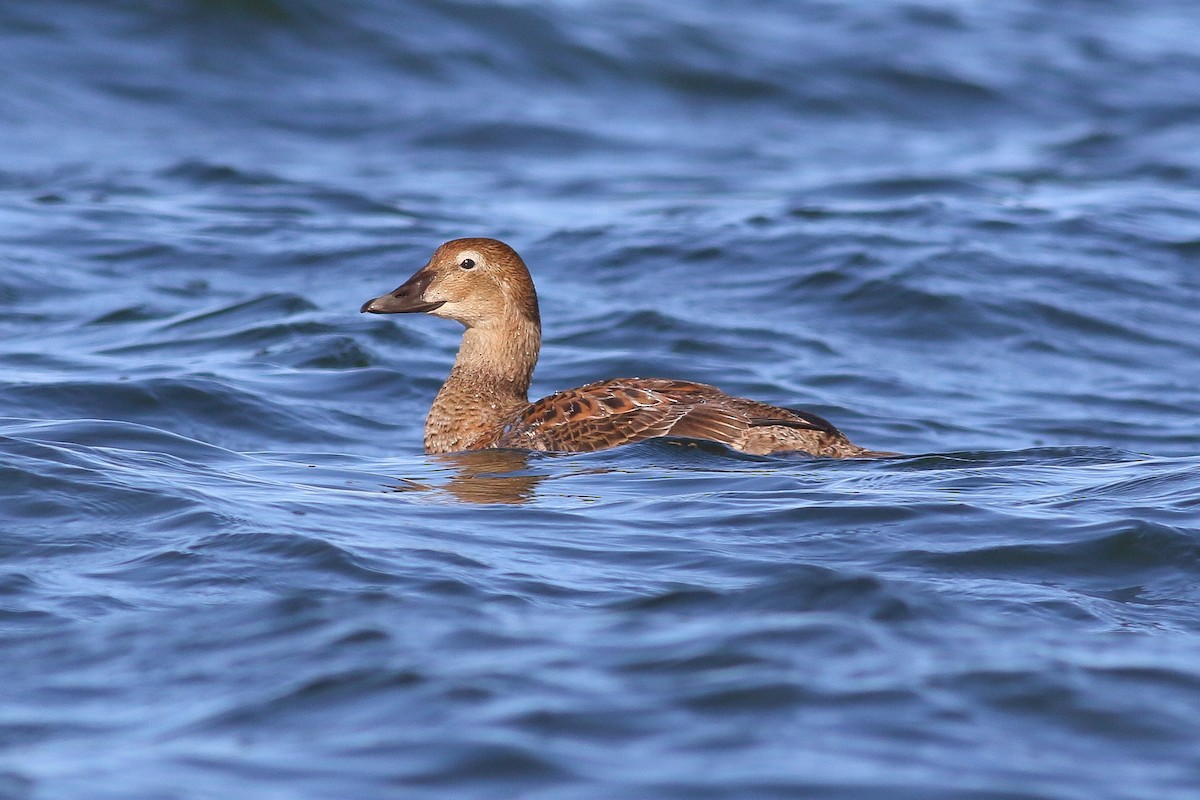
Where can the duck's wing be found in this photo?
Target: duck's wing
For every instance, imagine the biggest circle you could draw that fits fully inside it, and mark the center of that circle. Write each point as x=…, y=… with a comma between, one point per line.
x=730, y=420
x=765, y=415
x=609, y=413
x=593, y=417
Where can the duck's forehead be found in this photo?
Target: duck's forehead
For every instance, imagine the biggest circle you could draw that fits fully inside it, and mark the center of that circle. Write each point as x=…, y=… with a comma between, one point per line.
x=459, y=255
x=492, y=249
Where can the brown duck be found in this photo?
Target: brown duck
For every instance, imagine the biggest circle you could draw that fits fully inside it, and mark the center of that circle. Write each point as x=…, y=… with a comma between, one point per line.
x=485, y=285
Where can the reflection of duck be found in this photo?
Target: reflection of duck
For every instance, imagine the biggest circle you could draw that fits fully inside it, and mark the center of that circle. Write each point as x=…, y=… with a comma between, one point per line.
x=485, y=285
x=484, y=476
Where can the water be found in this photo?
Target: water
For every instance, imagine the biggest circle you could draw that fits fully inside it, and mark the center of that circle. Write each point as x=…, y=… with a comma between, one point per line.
x=966, y=232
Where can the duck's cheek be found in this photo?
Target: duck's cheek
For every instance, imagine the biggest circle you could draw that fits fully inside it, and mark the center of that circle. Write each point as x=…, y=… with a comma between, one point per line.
x=450, y=309
x=469, y=312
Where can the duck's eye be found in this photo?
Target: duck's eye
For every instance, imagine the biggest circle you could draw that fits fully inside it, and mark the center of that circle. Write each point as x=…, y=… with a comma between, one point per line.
x=467, y=263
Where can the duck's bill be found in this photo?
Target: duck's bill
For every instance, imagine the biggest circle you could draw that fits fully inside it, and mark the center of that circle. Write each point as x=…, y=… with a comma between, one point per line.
x=390, y=304
x=408, y=298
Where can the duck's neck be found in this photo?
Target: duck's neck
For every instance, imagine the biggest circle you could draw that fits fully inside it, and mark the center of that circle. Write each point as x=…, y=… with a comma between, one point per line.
x=487, y=385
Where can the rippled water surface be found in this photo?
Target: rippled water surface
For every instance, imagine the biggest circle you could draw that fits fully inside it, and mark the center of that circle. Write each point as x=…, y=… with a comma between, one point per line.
x=966, y=232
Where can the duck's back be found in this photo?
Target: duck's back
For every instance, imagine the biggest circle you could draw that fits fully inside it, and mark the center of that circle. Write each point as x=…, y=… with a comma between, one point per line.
x=608, y=413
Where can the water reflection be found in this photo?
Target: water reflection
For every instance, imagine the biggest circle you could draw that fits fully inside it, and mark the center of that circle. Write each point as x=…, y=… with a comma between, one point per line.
x=508, y=476
x=490, y=476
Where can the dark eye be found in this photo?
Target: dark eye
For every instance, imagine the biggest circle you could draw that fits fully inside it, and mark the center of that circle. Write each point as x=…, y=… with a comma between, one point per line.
x=467, y=263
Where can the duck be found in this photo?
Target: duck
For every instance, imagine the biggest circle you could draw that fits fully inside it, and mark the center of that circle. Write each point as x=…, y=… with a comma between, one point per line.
x=484, y=403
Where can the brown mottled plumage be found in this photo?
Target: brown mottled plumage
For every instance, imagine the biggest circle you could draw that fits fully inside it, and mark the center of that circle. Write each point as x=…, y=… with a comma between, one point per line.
x=484, y=402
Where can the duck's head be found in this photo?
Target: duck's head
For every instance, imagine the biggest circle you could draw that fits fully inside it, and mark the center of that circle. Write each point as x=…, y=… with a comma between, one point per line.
x=478, y=282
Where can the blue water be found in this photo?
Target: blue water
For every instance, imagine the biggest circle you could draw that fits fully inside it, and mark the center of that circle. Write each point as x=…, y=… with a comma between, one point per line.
x=968, y=232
